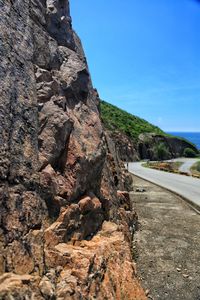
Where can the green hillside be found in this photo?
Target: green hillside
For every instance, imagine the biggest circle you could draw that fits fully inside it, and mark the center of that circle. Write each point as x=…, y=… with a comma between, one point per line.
x=118, y=119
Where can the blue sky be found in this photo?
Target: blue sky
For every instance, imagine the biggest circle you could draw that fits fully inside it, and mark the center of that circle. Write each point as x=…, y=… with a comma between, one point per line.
x=144, y=56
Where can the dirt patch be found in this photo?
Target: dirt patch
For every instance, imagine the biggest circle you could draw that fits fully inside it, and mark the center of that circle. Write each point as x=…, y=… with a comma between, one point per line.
x=167, y=244
x=171, y=166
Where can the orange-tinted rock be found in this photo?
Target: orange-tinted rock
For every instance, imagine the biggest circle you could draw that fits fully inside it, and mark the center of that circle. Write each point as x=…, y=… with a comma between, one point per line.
x=101, y=268
x=97, y=204
x=2, y=261
x=19, y=260
x=14, y=286
x=47, y=288
x=124, y=200
x=59, y=171
x=76, y=222
x=86, y=205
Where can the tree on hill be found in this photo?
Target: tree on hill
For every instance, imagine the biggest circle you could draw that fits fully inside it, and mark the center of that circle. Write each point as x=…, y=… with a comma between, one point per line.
x=188, y=152
x=161, y=151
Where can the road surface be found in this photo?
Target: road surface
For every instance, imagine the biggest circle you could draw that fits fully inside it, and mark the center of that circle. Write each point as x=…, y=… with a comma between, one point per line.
x=185, y=186
x=187, y=164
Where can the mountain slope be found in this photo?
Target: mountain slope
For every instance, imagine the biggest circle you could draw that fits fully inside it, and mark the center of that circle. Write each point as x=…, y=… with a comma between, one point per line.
x=135, y=138
x=115, y=118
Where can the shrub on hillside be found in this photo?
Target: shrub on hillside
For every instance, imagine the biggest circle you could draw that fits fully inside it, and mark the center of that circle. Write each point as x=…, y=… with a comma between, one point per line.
x=198, y=166
x=188, y=152
x=161, y=152
x=120, y=120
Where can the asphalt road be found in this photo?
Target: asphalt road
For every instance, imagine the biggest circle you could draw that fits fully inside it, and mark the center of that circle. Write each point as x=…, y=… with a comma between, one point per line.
x=185, y=186
x=187, y=163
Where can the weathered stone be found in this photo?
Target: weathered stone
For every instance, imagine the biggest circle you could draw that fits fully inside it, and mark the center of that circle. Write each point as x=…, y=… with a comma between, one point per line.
x=55, y=130
x=35, y=239
x=59, y=173
x=60, y=231
x=18, y=105
x=125, y=146
x=94, y=267
x=19, y=287
x=45, y=90
x=2, y=259
x=42, y=75
x=87, y=204
x=19, y=259
x=125, y=200
x=59, y=22
x=60, y=101
x=47, y=288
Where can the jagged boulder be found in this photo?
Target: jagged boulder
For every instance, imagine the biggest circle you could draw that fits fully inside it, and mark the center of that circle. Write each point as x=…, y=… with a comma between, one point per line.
x=125, y=146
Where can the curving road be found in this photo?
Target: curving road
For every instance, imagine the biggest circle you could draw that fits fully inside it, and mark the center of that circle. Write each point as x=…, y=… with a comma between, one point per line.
x=187, y=164
x=185, y=186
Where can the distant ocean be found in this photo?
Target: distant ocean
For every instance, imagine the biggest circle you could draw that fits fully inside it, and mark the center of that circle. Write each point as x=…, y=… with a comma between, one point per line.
x=193, y=137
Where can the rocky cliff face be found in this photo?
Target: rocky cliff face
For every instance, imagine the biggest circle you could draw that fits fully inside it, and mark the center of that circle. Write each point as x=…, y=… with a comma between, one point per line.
x=145, y=147
x=66, y=224
x=175, y=146
x=125, y=146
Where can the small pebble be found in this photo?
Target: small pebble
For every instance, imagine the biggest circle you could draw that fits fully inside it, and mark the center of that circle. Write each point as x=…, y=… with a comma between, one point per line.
x=178, y=269
x=140, y=190
x=190, y=277
x=147, y=292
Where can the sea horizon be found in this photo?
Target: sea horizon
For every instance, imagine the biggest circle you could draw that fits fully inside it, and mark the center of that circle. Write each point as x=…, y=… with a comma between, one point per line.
x=192, y=136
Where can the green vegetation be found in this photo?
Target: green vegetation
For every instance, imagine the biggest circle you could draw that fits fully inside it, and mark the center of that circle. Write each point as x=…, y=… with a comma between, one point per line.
x=161, y=151
x=170, y=166
x=188, y=152
x=196, y=169
x=118, y=119
x=198, y=166
x=153, y=143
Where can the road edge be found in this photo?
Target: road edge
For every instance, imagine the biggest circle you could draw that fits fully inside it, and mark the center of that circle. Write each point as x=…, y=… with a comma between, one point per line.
x=190, y=203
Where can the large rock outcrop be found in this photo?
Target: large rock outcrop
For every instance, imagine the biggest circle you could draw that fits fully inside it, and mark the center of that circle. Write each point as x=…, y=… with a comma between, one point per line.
x=145, y=147
x=125, y=146
x=66, y=224
x=175, y=146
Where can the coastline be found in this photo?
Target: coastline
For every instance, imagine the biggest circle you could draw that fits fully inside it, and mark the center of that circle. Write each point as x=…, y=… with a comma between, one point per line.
x=193, y=137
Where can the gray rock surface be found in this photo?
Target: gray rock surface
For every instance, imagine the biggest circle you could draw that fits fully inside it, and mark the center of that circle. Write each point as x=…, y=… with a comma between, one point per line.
x=58, y=176
x=125, y=146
